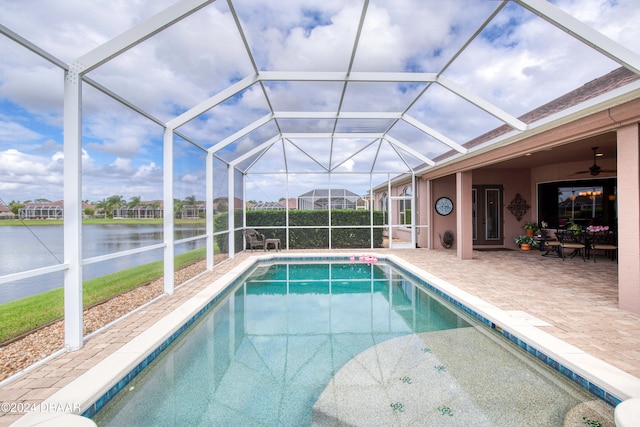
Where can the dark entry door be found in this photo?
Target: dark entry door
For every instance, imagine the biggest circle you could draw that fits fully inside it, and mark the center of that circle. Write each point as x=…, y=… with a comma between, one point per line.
x=487, y=215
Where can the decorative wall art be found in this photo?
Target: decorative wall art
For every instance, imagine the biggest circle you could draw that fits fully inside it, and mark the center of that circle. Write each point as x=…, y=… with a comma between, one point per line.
x=518, y=206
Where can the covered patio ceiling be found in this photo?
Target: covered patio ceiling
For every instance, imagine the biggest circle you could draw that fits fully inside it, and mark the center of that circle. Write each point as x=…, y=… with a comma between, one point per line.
x=346, y=86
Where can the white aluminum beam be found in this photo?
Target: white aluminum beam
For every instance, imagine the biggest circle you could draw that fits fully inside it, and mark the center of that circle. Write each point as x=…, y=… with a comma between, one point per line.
x=121, y=100
x=255, y=160
x=481, y=103
x=326, y=168
x=400, y=156
x=242, y=132
x=230, y=209
x=324, y=135
x=32, y=273
x=286, y=166
x=392, y=77
x=245, y=42
x=33, y=48
x=208, y=199
x=303, y=76
x=333, y=115
x=208, y=104
x=353, y=155
x=337, y=76
x=168, y=222
x=137, y=109
x=434, y=133
x=73, y=330
x=264, y=146
x=409, y=150
x=120, y=254
x=584, y=33
x=137, y=34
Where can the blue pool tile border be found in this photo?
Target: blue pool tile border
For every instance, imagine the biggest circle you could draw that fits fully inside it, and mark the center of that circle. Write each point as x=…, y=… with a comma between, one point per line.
x=594, y=389
x=568, y=373
x=92, y=410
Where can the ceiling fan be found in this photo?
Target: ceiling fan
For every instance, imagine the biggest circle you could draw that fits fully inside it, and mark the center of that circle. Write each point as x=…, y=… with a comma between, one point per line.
x=594, y=170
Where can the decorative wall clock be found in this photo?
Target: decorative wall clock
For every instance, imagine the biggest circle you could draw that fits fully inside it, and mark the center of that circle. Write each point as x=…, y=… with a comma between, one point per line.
x=444, y=206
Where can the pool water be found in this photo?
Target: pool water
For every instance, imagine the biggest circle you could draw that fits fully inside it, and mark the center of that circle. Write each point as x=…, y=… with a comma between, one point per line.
x=330, y=343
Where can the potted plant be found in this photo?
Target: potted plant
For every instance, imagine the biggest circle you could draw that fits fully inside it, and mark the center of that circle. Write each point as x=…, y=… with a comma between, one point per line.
x=525, y=242
x=530, y=228
x=574, y=228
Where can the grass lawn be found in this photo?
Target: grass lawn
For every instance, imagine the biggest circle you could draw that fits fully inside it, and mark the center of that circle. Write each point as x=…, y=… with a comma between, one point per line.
x=25, y=314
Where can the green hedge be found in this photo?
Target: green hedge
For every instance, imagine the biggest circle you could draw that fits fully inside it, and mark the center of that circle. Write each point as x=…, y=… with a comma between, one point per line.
x=311, y=238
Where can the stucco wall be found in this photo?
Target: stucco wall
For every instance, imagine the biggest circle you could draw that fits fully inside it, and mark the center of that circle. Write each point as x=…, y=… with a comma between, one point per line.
x=513, y=181
x=443, y=187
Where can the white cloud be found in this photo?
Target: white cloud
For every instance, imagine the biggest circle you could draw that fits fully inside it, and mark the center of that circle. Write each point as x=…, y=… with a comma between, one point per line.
x=189, y=178
x=122, y=165
x=149, y=172
x=25, y=176
x=16, y=134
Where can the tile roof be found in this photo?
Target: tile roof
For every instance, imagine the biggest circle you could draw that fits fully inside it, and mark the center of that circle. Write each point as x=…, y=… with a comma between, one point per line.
x=606, y=83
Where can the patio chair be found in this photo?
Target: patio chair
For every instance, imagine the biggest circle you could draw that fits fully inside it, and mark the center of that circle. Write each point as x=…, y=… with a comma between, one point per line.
x=606, y=242
x=572, y=241
x=550, y=242
x=254, y=239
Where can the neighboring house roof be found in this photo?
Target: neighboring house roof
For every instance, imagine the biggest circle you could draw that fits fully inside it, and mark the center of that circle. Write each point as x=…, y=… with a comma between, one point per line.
x=292, y=203
x=606, y=83
x=44, y=204
x=5, y=210
x=335, y=192
x=267, y=206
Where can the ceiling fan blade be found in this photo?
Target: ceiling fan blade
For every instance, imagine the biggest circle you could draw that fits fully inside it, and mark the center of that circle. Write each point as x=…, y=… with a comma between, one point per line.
x=594, y=169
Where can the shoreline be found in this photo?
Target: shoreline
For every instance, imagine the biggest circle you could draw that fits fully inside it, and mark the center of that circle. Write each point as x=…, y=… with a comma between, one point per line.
x=20, y=354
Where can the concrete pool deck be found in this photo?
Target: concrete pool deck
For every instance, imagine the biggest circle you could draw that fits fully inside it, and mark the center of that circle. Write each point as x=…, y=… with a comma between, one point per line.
x=571, y=300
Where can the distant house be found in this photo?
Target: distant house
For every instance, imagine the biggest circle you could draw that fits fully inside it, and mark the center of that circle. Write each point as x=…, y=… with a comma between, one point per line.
x=291, y=203
x=193, y=211
x=144, y=210
x=42, y=210
x=5, y=212
x=321, y=199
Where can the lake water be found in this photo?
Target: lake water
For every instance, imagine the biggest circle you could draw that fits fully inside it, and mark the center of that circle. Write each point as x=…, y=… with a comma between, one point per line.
x=26, y=248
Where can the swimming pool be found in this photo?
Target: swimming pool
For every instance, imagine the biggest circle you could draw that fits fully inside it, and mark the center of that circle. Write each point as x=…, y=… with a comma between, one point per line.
x=313, y=342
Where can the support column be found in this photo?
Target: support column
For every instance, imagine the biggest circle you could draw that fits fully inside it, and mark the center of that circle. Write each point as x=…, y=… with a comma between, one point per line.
x=167, y=185
x=464, y=236
x=286, y=192
x=389, y=213
x=232, y=200
x=628, y=163
x=428, y=212
x=414, y=210
x=73, y=335
x=209, y=209
x=370, y=205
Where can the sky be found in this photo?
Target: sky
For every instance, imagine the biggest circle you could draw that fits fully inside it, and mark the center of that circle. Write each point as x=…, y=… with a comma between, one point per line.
x=518, y=62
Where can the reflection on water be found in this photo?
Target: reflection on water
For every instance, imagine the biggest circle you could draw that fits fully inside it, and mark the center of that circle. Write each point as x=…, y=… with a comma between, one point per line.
x=42, y=246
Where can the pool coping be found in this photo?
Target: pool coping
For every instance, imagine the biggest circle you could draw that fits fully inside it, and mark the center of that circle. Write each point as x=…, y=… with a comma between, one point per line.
x=98, y=385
